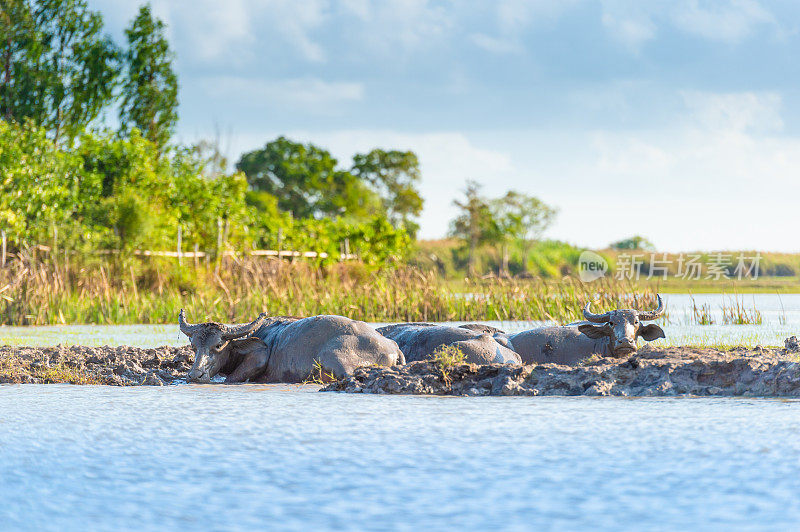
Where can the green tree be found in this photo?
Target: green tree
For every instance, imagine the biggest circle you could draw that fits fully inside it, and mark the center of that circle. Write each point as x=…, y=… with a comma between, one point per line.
x=521, y=218
x=306, y=181
x=394, y=175
x=475, y=224
x=59, y=69
x=150, y=88
x=634, y=242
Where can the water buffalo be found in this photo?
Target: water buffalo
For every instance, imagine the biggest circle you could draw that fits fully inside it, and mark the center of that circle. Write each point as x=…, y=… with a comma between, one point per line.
x=613, y=333
x=418, y=341
x=285, y=349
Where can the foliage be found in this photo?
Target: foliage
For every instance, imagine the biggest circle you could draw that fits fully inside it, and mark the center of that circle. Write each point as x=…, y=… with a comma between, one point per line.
x=522, y=219
x=150, y=88
x=121, y=193
x=475, y=224
x=395, y=175
x=448, y=356
x=306, y=181
x=39, y=184
x=59, y=70
x=635, y=242
x=46, y=289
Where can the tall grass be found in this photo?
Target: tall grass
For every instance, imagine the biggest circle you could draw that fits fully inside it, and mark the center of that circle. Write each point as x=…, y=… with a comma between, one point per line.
x=65, y=290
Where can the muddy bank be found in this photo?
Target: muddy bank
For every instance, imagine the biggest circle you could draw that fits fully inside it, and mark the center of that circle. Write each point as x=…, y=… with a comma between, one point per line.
x=741, y=371
x=120, y=366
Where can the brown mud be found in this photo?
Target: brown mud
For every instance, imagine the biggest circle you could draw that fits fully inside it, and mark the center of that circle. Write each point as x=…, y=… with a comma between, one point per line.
x=750, y=372
x=739, y=371
x=119, y=366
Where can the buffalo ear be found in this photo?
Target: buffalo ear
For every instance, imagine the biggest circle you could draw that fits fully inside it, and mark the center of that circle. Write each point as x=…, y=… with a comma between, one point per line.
x=593, y=331
x=651, y=332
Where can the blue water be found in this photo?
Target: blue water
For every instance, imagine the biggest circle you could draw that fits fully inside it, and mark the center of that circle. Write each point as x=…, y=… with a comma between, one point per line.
x=290, y=458
x=780, y=314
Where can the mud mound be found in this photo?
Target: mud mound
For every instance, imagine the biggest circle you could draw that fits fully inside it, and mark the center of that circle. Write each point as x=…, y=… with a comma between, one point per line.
x=121, y=366
x=655, y=372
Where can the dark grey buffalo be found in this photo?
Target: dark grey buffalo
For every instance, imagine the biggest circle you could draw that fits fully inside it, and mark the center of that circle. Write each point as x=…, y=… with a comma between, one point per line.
x=419, y=341
x=285, y=349
x=613, y=333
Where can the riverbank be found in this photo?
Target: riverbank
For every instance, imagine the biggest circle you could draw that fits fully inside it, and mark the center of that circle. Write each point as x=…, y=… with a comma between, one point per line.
x=115, y=366
x=740, y=371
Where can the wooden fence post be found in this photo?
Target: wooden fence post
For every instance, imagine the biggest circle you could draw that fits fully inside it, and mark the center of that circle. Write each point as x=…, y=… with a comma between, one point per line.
x=196, y=254
x=180, y=243
x=218, y=257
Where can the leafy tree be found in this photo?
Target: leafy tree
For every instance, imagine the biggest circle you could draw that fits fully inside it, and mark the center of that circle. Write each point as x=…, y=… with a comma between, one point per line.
x=521, y=218
x=59, y=70
x=39, y=184
x=634, y=242
x=475, y=224
x=395, y=175
x=306, y=181
x=150, y=88
x=20, y=43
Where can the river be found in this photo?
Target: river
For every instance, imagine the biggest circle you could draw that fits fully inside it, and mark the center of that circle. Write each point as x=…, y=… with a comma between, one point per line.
x=290, y=458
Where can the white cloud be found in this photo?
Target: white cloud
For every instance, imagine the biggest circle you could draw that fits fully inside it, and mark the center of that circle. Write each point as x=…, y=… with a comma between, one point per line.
x=729, y=21
x=632, y=31
x=304, y=92
x=399, y=26
x=495, y=45
x=735, y=111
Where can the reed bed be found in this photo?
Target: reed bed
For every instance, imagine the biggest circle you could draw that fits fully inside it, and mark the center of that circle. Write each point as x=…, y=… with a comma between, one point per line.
x=63, y=290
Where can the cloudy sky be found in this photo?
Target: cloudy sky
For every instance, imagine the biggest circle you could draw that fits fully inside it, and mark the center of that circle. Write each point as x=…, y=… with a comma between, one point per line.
x=676, y=119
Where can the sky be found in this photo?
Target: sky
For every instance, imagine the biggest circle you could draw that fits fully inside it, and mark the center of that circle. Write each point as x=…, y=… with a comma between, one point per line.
x=678, y=120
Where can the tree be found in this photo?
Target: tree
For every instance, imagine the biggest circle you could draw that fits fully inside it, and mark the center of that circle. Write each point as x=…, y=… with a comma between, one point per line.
x=150, y=89
x=306, y=181
x=475, y=223
x=59, y=70
x=394, y=175
x=521, y=218
x=634, y=242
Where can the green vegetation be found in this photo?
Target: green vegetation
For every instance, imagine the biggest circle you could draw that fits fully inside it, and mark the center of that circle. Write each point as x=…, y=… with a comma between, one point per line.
x=448, y=356
x=37, y=288
x=70, y=185
x=445, y=359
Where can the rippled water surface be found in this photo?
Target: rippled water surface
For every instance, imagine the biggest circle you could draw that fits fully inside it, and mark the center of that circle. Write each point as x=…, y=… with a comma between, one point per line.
x=780, y=319
x=244, y=457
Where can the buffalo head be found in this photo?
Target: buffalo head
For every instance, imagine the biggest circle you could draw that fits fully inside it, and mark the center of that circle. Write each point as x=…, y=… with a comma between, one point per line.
x=210, y=342
x=623, y=327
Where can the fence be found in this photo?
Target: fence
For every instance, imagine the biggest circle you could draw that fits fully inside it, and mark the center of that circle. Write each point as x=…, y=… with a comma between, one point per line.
x=196, y=254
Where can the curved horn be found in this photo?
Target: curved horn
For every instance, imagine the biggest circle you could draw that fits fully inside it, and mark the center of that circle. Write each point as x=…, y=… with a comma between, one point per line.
x=594, y=318
x=243, y=330
x=653, y=314
x=186, y=329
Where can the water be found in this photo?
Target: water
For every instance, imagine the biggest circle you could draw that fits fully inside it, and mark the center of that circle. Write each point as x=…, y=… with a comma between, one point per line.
x=289, y=458
x=781, y=319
